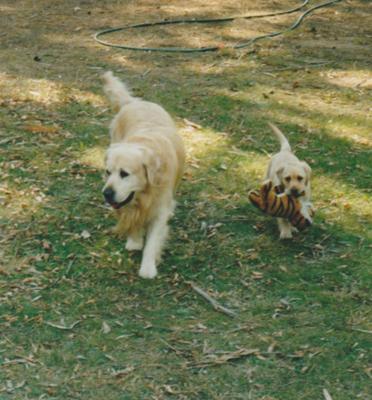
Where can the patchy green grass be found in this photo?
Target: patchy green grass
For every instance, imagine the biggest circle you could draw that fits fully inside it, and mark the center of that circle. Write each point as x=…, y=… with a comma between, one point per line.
x=303, y=306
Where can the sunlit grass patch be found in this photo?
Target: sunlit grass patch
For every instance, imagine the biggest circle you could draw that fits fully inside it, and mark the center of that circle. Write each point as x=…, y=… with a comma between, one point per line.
x=201, y=140
x=357, y=79
x=16, y=203
x=44, y=91
x=253, y=167
x=311, y=108
x=93, y=157
x=343, y=205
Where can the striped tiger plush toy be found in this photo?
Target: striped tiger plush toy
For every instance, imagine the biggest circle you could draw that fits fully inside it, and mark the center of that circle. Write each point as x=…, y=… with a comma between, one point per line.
x=272, y=201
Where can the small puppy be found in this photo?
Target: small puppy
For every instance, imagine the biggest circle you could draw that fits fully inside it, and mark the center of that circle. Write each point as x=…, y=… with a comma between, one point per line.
x=294, y=175
x=144, y=164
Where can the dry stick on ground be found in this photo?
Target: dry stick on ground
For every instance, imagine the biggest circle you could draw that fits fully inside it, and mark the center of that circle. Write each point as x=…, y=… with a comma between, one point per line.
x=213, y=360
x=361, y=330
x=18, y=361
x=63, y=327
x=216, y=305
x=326, y=395
x=178, y=352
x=7, y=140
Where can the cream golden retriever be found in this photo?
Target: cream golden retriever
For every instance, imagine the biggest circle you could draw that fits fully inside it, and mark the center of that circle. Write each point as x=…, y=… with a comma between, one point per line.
x=144, y=164
x=294, y=175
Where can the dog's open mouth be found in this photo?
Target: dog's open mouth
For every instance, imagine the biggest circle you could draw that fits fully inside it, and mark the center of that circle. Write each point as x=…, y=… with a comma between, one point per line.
x=295, y=195
x=300, y=194
x=123, y=203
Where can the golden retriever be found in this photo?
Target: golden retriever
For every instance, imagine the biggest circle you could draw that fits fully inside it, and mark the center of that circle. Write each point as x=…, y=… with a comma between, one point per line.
x=144, y=164
x=294, y=175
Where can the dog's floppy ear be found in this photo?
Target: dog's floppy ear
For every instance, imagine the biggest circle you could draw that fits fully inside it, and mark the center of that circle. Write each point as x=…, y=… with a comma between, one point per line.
x=279, y=173
x=307, y=170
x=152, y=167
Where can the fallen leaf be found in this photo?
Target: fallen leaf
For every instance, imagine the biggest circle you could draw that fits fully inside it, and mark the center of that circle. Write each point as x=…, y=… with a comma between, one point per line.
x=46, y=245
x=347, y=206
x=169, y=389
x=257, y=275
x=85, y=234
x=105, y=328
x=111, y=358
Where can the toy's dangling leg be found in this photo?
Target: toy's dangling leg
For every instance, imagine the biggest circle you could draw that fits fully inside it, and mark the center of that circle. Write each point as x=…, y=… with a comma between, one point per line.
x=307, y=210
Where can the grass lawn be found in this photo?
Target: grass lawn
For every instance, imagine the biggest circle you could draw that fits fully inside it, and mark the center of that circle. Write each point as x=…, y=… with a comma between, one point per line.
x=76, y=321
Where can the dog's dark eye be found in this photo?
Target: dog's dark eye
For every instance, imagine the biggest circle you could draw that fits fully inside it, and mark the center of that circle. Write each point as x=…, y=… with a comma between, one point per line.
x=108, y=172
x=287, y=179
x=123, y=174
x=299, y=178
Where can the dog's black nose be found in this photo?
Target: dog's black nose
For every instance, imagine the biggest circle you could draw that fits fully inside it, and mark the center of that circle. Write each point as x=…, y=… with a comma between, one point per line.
x=109, y=195
x=294, y=192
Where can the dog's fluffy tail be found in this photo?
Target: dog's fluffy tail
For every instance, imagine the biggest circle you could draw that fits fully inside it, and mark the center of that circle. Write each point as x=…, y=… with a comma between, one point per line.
x=284, y=144
x=116, y=90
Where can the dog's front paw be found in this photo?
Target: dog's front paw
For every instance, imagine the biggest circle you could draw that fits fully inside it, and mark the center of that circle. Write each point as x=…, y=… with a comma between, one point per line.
x=134, y=244
x=294, y=229
x=147, y=270
x=286, y=234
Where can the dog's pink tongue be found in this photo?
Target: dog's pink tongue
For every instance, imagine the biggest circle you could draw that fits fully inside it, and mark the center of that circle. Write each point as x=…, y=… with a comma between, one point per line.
x=115, y=205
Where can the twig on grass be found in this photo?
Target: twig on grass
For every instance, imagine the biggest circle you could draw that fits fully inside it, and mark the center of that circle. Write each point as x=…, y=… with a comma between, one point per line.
x=215, y=304
x=18, y=361
x=122, y=372
x=68, y=269
x=10, y=139
x=247, y=327
x=326, y=395
x=9, y=388
x=361, y=330
x=63, y=327
x=177, y=351
x=212, y=360
x=299, y=67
